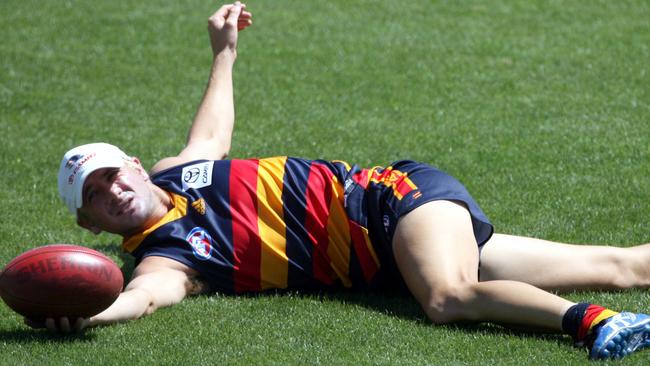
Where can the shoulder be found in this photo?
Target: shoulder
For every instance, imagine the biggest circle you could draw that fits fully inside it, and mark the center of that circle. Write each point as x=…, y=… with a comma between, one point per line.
x=196, y=150
x=166, y=163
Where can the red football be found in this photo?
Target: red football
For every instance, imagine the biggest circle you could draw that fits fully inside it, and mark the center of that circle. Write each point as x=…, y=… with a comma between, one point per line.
x=60, y=280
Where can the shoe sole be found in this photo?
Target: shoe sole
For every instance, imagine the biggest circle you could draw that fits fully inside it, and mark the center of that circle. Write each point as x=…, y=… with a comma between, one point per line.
x=626, y=340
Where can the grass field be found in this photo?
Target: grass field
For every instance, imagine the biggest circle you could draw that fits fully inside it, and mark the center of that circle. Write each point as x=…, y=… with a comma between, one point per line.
x=540, y=107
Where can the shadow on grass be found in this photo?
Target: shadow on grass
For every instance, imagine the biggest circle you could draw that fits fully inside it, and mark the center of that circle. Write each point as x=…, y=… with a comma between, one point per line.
x=26, y=335
x=396, y=302
x=402, y=305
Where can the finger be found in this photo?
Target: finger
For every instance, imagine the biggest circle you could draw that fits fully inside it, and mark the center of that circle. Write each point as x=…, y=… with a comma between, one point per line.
x=50, y=325
x=222, y=12
x=243, y=25
x=218, y=18
x=34, y=323
x=64, y=325
x=81, y=324
x=245, y=15
x=234, y=13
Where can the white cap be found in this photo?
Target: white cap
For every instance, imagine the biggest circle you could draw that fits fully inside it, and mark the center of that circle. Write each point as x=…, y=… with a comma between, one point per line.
x=78, y=163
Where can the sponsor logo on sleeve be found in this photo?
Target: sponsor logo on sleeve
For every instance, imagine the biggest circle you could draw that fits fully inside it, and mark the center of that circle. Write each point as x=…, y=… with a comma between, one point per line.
x=197, y=175
x=201, y=243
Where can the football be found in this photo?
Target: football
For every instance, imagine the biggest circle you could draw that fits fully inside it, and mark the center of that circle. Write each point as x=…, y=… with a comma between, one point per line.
x=60, y=280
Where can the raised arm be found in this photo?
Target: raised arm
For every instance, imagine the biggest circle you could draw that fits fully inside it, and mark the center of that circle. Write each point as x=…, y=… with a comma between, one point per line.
x=211, y=131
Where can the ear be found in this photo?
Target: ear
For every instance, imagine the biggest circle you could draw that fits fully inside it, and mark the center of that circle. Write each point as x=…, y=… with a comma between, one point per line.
x=88, y=226
x=139, y=168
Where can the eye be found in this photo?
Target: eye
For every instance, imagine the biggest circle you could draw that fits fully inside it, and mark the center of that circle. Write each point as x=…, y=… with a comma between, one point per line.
x=111, y=174
x=90, y=196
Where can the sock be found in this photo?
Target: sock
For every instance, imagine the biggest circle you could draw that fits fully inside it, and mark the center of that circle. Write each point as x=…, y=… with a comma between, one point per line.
x=581, y=318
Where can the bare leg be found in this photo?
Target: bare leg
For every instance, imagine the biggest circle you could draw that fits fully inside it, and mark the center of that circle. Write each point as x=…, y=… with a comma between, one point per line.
x=558, y=266
x=436, y=253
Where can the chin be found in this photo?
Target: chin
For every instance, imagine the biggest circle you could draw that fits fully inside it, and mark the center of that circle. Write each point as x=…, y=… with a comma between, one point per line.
x=139, y=218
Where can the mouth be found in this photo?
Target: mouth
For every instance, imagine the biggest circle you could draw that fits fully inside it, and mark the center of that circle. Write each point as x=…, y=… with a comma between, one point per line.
x=125, y=207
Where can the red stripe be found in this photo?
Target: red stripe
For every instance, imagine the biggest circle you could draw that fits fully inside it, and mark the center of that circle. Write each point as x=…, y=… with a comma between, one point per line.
x=403, y=187
x=380, y=177
x=318, y=196
x=590, y=314
x=245, y=234
x=361, y=178
x=360, y=242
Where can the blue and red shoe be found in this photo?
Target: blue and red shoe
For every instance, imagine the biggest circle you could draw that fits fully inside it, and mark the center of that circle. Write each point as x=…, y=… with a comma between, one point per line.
x=620, y=335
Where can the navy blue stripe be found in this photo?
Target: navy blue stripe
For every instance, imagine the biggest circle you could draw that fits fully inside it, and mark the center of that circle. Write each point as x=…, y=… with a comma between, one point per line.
x=299, y=248
x=218, y=213
x=354, y=270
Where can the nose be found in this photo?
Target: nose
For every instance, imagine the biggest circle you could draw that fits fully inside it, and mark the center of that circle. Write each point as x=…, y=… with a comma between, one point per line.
x=114, y=192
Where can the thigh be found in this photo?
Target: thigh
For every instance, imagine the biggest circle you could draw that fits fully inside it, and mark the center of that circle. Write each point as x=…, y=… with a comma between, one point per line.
x=554, y=266
x=435, y=249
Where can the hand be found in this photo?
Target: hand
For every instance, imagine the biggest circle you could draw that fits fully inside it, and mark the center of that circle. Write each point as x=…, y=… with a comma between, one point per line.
x=224, y=25
x=64, y=326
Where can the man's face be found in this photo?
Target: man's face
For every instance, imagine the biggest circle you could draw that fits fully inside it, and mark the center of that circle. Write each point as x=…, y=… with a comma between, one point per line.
x=117, y=200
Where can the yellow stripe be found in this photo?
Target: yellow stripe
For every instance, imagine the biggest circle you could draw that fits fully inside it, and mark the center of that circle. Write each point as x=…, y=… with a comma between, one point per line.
x=602, y=316
x=338, y=232
x=345, y=164
x=391, y=179
x=409, y=181
x=272, y=228
x=372, y=171
x=180, y=210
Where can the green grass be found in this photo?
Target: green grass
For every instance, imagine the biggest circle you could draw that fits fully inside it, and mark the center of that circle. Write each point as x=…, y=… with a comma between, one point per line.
x=540, y=107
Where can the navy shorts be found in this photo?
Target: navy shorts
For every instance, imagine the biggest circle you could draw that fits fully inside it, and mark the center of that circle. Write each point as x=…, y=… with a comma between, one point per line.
x=378, y=197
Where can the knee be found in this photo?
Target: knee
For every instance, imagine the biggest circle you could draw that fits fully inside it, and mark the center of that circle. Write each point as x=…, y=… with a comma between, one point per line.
x=450, y=304
x=622, y=274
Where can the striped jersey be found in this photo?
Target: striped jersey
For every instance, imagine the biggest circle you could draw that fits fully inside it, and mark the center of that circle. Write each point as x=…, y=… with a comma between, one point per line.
x=274, y=223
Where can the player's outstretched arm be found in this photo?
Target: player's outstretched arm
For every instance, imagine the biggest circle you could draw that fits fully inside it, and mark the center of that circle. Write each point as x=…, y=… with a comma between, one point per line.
x=157, y=282
x=211, y=131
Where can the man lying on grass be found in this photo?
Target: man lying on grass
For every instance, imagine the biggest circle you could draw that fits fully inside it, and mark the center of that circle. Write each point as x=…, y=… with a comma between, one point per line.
x=197, y=223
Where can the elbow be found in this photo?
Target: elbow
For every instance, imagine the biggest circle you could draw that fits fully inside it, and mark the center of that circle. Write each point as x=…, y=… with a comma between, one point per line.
x=150, y=309
x=224, y=150
x=150, y=305
x=146, y=302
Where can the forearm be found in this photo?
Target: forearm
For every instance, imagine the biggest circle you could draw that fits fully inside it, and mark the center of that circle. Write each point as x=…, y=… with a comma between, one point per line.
x=130, y=305
x=215, y=116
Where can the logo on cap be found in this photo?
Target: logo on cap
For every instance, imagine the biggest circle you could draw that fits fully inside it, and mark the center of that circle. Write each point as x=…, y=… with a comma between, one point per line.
x=73, y=160
x=79, y=160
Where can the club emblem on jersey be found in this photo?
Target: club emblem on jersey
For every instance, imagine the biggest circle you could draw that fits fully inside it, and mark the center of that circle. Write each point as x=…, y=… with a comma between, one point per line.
x=197, y=175
x=201, y=243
